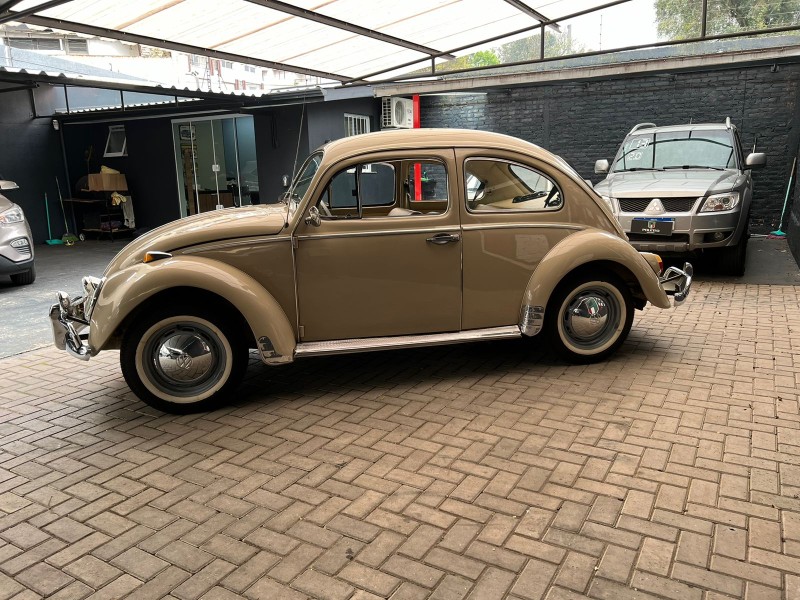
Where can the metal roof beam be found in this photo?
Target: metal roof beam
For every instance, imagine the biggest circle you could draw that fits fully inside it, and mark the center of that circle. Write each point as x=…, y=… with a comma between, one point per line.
x=495, y=38
x=18, y=15
x=176, y=46
x=304, y=13
x=522, y=7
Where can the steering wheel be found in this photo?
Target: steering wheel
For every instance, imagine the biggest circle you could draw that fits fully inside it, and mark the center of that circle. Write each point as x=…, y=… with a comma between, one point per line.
x=324, y=207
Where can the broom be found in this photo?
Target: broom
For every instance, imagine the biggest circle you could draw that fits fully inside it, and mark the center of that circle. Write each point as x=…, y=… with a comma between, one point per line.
x=780, y=232
x=68, y=238
x=50, y=240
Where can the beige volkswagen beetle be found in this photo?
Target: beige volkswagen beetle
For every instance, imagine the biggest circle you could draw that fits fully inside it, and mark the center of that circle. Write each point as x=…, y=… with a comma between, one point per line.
x=384, y=240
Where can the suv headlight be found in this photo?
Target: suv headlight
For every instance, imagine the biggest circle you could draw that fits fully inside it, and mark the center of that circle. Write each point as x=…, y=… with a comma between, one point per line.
x=611, y=203
x=717, y=202
x=12, y=215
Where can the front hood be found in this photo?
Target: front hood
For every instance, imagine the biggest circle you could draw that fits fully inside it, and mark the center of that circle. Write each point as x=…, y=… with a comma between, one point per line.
x=669, y=184
x=213, y=226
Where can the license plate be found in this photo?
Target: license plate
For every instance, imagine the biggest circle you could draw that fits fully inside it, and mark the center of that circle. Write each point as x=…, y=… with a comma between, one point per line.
x=657, y=226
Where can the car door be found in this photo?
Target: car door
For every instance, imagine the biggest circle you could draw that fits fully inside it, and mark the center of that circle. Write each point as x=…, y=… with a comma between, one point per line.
x=385, y=258
x=516, y=210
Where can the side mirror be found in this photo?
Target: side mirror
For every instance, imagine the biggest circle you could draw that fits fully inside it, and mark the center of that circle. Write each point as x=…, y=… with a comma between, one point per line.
x=756, y=160
x=313, y=217
x=601, y=167
x=8, y=185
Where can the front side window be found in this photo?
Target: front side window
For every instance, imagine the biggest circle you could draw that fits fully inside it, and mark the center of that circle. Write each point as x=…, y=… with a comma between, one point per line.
x=499, y=185
x=710, y=149
x=400, y=188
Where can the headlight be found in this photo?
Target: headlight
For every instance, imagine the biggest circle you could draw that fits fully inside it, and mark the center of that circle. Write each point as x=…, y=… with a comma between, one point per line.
x=12, y=215
x=611, y=203
x=718, y=202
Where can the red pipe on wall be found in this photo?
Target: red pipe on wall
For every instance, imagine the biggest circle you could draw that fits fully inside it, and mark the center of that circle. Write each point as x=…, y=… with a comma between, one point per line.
x=417, y=166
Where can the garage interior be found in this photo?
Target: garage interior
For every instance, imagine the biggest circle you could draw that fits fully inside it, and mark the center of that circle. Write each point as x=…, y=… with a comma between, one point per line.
x=478, y=471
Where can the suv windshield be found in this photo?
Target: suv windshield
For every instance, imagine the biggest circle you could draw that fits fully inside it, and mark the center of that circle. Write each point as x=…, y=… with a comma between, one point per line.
x=703, y=148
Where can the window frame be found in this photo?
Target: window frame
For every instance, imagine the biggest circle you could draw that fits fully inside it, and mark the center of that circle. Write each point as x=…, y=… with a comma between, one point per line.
x=112, y=129
x=500, y=211
x=352, y=118
x=396, y=162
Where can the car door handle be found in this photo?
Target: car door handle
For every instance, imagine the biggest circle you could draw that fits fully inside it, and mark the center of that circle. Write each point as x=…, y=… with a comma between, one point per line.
x=444, y=238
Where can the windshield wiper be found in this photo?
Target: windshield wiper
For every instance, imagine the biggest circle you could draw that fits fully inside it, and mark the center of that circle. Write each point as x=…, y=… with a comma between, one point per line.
x=694, y=167
x=639, y=169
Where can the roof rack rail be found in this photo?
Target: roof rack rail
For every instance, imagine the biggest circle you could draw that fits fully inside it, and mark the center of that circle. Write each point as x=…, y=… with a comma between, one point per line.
x=641, y=126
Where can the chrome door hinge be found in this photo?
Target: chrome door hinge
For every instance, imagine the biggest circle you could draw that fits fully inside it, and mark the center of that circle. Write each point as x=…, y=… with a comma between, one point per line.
x=295, y=243
x=302, y=331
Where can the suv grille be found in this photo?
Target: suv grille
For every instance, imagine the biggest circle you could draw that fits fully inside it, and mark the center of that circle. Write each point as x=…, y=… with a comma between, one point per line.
x=637, y=205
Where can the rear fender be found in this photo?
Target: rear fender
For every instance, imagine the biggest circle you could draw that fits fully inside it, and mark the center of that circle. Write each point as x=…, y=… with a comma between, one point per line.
x=127, y=289
x=578, y=250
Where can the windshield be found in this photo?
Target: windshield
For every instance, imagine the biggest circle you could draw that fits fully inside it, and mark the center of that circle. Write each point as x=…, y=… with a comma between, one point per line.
x=303, y=180
x=709, y=149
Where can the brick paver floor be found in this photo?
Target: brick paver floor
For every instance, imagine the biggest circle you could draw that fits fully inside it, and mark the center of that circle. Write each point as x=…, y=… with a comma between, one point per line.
x=479, y=471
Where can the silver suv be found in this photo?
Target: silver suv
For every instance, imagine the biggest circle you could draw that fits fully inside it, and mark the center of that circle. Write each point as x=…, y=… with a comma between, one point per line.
x=16, y=241
x=682, y=189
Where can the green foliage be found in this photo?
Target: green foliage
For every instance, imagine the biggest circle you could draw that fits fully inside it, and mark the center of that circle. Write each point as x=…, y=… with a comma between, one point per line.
x=556, y=44
x=529, y=48
x=680, y=19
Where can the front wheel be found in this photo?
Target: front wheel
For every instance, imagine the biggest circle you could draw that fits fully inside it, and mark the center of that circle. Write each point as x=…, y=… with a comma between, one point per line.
x=589, y=316
x=25, y=278
x=182, y=361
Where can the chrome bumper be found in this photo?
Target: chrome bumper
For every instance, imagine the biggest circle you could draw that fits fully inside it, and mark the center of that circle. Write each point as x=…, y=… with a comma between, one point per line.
x=69, y=319
x=677, y=283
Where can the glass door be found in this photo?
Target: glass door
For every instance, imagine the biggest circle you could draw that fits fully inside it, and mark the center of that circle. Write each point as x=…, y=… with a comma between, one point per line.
x=216, y=163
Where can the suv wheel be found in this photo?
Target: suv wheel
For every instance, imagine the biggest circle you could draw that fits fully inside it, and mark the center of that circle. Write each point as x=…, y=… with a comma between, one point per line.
x=732, y=259
x=26, y=278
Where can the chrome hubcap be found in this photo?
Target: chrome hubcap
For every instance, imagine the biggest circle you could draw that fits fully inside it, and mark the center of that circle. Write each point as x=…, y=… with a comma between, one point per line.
x=591, y=318
x=184, y=359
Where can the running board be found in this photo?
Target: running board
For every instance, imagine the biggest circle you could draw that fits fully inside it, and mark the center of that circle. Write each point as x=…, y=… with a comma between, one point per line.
x=404, y=341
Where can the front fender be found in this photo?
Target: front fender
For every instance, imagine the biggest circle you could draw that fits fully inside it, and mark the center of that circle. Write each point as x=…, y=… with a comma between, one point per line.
x=128, y=288
x=576, y=250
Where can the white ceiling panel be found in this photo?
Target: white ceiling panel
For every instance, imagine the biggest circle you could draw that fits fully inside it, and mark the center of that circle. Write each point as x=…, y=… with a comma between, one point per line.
x=249, y=28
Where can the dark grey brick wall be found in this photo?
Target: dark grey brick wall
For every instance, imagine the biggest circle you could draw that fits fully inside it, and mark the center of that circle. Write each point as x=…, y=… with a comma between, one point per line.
x=584, y=121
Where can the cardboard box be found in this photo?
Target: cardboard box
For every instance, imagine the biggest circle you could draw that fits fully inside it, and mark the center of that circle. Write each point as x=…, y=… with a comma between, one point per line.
x=107, y=182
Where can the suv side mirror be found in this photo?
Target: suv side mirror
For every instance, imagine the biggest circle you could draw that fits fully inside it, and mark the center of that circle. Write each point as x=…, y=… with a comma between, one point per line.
x=756, y=160
x=601, y=167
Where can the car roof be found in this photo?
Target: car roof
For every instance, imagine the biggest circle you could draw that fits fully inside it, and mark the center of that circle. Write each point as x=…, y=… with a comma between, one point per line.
x=409, y=139
x=688, y=127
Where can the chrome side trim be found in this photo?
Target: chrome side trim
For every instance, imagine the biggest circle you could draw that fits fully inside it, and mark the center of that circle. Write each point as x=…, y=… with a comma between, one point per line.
x=404, y=341
x=269, y=355
x=249, y=242
x=373, y=232
x=531, y=319
x=522, y=226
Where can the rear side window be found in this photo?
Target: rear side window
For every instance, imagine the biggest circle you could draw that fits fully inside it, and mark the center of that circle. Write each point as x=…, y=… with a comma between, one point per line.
x=499, y=185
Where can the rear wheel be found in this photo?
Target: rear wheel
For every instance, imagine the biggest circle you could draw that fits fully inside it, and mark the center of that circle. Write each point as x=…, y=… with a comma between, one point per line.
x=26, y=278
x=589, y=316
x=182, y=361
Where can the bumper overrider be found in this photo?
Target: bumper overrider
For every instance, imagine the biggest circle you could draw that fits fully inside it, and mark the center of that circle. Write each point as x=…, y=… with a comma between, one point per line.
x=69, y=319
x=677, y=282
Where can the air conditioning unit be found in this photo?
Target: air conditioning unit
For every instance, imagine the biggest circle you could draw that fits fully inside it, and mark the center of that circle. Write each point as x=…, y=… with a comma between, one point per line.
x=397, y=113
